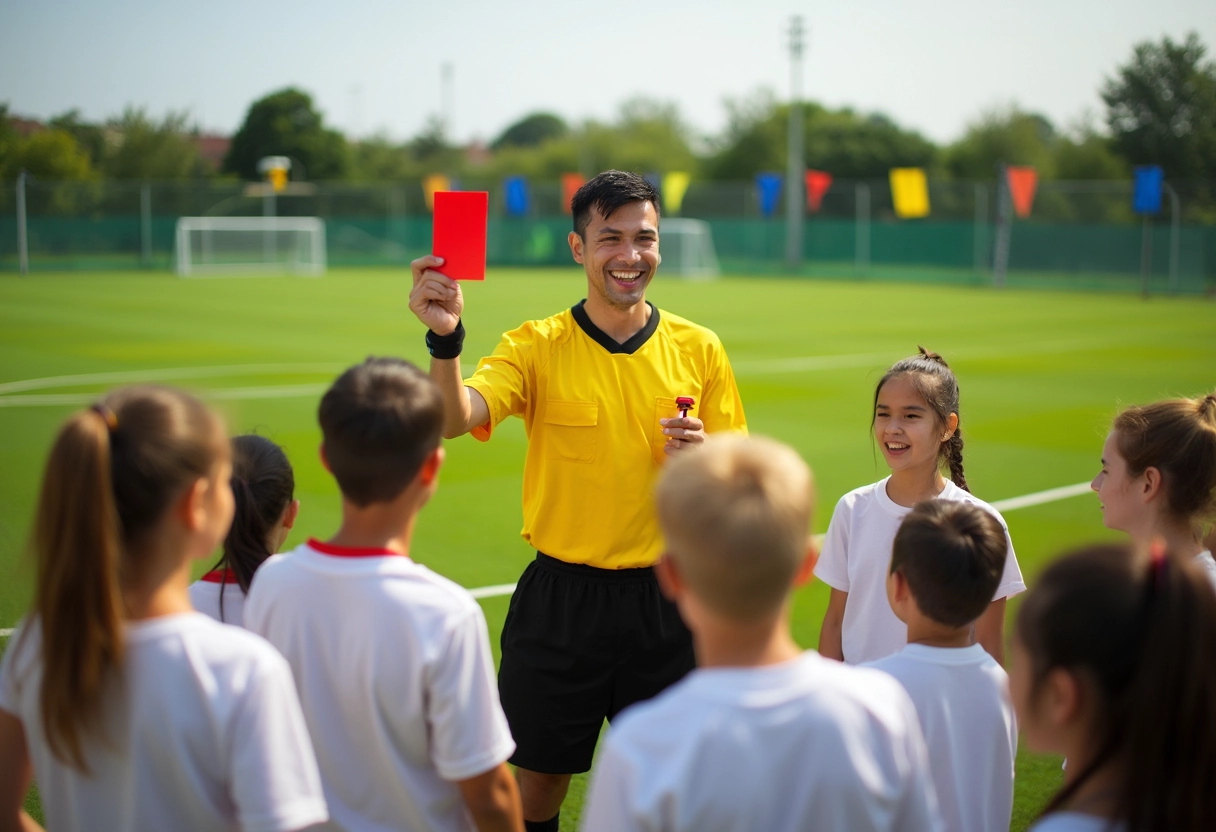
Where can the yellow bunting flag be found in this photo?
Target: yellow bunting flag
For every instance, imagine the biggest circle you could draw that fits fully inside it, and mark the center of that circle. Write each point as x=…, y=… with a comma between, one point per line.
x=910, y=192
x=434, y=182
x=675, y=185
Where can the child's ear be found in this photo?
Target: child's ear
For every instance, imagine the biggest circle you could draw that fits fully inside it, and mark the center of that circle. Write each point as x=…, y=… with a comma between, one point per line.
x=806, y=572
x=190, y=508
x=1151, y=483
x=671, y=583
x=1063, y=697
x=430, y=467
x=290, y=514
x=324, y=458
x=951, y=426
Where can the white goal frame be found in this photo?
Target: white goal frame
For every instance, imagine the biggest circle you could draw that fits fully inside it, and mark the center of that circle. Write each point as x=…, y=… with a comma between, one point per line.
x=275, y=258
x=691, y=244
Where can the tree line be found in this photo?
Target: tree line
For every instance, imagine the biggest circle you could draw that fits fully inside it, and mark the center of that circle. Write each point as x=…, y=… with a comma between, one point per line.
x=1160, y=108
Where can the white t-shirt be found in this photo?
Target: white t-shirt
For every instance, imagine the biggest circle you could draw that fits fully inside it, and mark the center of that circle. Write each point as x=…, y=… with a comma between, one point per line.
x=962, y=698
x=1205, y=560
x=857, y=556
x=395, y=674
x=806, y=744
x=207, y=735
x=206, y=592
x=1077, y=822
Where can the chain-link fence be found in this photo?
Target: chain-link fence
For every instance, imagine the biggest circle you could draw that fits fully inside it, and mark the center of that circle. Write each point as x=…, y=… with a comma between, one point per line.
x=1078, y=234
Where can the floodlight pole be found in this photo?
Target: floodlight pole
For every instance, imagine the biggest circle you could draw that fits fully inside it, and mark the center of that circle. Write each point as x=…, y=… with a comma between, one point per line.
x=23, y=243
x=1175, y=223
x=795, y=164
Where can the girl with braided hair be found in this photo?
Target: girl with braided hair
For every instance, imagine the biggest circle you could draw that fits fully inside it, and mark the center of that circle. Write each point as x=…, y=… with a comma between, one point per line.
x=263, y=488
x=915, y=422
x=1158, y=477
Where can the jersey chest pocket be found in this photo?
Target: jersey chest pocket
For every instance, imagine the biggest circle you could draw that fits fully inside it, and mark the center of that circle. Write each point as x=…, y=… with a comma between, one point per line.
x=664, y=408
x=570, y=430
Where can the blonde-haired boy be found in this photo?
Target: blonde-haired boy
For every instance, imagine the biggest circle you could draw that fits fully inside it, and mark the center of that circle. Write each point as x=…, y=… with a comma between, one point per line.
x=762, y=735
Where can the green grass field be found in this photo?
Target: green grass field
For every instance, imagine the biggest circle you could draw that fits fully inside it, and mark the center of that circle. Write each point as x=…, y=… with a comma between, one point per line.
x=1041, y=373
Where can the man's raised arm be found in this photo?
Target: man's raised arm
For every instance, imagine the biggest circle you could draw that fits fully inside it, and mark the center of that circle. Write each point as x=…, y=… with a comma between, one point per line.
x=438, y=302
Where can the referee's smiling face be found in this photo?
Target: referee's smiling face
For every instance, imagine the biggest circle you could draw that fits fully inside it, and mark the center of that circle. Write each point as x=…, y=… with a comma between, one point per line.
x=620, y=253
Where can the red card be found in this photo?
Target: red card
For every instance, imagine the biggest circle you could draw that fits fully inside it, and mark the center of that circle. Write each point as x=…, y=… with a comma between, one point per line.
x=459, y=233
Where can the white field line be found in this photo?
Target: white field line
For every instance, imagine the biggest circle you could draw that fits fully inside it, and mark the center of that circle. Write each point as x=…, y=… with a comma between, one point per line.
x=1051, y=495
x=166, y=374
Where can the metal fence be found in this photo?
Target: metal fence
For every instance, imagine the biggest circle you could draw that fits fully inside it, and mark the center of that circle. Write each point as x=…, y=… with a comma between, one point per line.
x=1079, y=233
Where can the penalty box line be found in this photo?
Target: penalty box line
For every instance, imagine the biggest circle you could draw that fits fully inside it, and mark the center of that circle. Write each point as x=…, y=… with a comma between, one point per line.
x=1038, y=498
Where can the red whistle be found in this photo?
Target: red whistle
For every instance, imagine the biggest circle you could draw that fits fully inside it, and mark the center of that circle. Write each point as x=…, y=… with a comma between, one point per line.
x=685, y=404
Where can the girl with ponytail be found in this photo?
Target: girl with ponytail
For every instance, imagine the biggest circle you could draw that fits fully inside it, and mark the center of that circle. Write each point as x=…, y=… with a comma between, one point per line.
x=263, y=487
x=1114, y=666
x=1158, y=476
x=915, y=421
x=131, y=710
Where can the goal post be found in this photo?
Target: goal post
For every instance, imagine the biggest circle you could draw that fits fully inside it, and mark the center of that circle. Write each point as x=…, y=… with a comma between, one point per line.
x=250, y=245
x=687, y=247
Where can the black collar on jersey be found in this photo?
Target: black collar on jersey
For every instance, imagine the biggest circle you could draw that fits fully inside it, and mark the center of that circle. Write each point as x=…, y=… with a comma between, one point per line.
x=605, y=340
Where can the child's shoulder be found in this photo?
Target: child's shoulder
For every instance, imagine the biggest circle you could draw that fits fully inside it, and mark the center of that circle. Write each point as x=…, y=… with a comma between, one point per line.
x=953, y=492
x=860, y=498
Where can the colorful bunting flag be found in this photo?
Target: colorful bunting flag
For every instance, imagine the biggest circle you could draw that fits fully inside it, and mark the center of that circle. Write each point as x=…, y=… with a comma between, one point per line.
x=910, y=192
x=768, y=186
x=431, y=184
x=1022, y=183
x=516, y=195
x=675, y=185
x=571, y=182
x=1146, y=198
x=817, y=184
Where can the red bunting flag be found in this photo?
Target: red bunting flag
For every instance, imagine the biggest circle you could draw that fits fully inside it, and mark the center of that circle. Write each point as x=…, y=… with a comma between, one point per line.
x=1022, y=184
x=571, y=182
x=817, y=184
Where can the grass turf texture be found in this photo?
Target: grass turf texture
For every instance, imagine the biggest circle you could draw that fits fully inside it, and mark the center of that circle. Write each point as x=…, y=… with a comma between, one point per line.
x=1041, y=376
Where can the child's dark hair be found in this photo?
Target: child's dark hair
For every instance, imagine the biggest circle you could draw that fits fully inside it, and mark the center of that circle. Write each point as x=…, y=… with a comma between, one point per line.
x=379, y=422
x=607, y=192
x=933, y=379
x=1177, y=437
x=1142, y=636
x=263, y=486
x=952, y=555
x=112, y=474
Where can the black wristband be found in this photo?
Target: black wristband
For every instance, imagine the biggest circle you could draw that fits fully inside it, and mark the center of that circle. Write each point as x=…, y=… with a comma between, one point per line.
x=446, y=346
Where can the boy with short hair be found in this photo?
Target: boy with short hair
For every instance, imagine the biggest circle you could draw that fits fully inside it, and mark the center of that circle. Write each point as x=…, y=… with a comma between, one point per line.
x=946, y=563
x=392, y=662
x=762, y=735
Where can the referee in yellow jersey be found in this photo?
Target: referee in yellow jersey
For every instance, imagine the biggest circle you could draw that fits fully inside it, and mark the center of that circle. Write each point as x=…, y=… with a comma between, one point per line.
x=588, y=631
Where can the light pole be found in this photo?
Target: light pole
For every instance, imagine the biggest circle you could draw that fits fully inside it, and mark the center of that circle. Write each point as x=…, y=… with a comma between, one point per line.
x=795, y=169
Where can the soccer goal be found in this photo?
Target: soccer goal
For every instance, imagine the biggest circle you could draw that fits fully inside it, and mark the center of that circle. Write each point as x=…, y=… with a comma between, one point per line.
x=688, y=248
x=250, y=245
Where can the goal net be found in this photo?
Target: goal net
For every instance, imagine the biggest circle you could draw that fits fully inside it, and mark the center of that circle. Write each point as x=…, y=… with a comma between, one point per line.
x=688, y=248
x=250, y=245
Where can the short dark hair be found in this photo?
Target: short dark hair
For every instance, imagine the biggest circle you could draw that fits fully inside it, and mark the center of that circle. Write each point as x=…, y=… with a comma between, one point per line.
x=379, y=422
x=952, y=554
x=607, y=192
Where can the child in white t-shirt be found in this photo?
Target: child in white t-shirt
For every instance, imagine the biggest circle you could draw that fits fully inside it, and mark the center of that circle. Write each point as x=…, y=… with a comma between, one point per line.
x=946, y=563
x=131, y=710
x=1114, y=666
x=263, y=488
x=392, y=661
x=1158, y=476
x=916, y=425
x=762, y=735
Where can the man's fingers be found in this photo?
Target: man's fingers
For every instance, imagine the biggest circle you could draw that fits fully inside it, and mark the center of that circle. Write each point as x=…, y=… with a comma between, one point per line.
x=428, y=261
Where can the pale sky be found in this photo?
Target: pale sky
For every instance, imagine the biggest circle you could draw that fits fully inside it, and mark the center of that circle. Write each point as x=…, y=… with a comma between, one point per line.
x=375, y=66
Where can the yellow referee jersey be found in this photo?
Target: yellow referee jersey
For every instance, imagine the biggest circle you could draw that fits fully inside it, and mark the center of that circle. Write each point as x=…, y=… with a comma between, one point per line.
x=591, y=408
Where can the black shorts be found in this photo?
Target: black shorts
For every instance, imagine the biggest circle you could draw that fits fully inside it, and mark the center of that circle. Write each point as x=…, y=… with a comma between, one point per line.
x=579, y=645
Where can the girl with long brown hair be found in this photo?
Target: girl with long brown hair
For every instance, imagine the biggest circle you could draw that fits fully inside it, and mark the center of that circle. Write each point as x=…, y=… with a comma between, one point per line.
x=129, y=709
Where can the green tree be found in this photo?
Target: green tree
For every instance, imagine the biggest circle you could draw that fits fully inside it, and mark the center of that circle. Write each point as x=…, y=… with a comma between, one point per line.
x=91, y=137
x=378, y=159
x=50, y=155
x=144, y=149
x=530, y=131
x=285, y=123
x=1010, y=135
x=1161, y=108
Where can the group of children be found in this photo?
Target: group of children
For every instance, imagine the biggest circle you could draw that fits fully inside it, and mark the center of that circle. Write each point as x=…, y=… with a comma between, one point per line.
x=357, y=689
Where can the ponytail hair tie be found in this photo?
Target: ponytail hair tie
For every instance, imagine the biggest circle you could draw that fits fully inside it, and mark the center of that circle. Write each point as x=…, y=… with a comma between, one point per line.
x=106, y=415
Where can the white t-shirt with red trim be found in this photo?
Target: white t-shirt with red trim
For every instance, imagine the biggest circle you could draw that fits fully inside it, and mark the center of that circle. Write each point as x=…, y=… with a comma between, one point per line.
x=218, y=595
x=207, y=735
x=394, y=670
x=857, y=556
